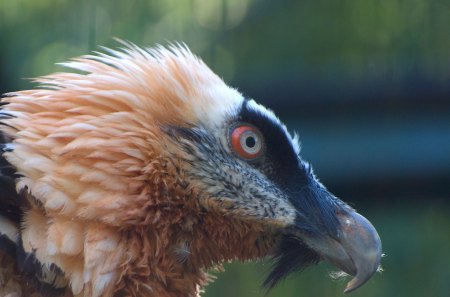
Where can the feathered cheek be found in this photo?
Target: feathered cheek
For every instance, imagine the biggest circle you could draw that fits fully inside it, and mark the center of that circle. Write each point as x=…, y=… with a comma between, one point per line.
x=273, y=212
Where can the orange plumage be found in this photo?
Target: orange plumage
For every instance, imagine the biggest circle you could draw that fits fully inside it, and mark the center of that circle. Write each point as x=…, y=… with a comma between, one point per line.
x=113, y=199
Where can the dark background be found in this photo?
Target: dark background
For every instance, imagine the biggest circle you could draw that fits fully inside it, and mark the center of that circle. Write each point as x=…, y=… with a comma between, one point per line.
x=366, y=84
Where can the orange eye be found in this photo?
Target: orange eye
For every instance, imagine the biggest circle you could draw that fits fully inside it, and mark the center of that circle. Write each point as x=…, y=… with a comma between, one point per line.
x=246, y=141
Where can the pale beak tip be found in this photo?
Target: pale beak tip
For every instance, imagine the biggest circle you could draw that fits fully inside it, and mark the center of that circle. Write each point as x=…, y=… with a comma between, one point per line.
x=364, y=248
x=357, y=282
x=354, y=284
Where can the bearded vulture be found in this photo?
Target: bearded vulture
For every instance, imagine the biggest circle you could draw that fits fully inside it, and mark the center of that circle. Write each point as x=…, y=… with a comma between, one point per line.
x=140, y=170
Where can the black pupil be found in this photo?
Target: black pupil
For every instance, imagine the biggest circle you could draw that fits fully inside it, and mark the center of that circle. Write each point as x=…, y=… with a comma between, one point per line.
x=250, y=141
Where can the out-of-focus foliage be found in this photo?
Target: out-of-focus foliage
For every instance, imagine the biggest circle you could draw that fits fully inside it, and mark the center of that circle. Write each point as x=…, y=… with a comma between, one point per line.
x=366, y=84
x=311, y=38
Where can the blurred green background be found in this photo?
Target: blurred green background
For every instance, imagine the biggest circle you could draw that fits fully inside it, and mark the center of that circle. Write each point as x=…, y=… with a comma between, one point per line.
x=365, y=83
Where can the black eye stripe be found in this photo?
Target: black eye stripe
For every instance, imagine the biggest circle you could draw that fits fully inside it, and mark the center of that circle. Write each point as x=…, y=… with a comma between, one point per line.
x=279, y=152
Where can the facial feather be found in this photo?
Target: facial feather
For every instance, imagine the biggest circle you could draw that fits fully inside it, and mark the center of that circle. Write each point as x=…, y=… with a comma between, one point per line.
x=89, y=147
x=132, y=185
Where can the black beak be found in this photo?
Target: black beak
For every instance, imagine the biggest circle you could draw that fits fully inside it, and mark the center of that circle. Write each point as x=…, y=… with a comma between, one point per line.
x=327, y=229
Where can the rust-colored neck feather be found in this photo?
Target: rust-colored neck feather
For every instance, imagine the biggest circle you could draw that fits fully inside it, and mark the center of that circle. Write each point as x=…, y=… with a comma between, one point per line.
x=170, y=256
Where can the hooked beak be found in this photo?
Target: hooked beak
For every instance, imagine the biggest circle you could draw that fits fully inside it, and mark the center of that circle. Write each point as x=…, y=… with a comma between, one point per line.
x=326, y=229
x=356, y=249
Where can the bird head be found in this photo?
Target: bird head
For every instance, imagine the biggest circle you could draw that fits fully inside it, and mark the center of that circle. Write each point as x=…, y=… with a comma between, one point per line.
x=144, y=169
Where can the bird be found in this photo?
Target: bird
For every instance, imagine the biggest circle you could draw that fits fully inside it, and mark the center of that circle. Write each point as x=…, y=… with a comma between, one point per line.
x=138, y=170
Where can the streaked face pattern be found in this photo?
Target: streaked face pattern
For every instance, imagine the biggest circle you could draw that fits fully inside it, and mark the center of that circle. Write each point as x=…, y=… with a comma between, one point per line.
x=251, y=166
x=146, y=160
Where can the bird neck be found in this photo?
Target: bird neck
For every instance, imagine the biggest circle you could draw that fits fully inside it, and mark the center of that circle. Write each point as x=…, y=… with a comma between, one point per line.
x=173, y=259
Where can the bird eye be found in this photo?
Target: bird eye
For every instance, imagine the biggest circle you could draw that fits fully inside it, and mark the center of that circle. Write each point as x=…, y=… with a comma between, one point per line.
x=246, y=141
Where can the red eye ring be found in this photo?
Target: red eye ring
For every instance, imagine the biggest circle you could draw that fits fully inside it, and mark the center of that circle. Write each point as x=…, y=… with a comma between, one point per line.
x=246, y=141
